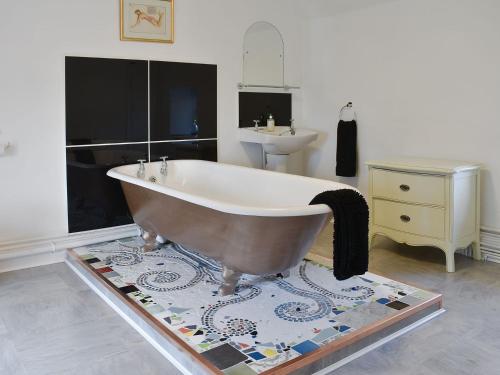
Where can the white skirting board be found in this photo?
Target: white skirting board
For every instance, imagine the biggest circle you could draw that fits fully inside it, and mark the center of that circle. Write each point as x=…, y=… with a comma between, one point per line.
x=490, y=244
x=41, y=251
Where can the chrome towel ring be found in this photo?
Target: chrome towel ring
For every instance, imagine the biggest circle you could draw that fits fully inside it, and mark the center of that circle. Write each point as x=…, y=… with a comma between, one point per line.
x=347, y=106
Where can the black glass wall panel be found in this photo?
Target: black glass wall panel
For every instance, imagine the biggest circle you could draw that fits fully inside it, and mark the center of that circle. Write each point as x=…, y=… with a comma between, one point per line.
x=183, y=100
x=201, y=150
x=94, y=199
x=106, y=100
x=258, y=106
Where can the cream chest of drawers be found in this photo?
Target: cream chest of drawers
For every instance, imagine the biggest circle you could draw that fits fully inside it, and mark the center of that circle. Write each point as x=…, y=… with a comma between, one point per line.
x=426, y=202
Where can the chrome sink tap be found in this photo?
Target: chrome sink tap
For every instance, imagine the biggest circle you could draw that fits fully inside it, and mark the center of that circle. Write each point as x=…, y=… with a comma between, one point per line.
x=164, y=166
x=256, y=125
x=141, y=173
x=291, y=130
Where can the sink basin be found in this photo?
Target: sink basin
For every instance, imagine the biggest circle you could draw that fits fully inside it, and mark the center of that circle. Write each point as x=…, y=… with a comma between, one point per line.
x=279, y=141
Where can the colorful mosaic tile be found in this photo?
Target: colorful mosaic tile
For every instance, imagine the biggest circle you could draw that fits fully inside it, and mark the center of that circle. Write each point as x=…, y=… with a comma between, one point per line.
x=305, y=347
x=270, y=320
x=224, y=356
x=398, y=305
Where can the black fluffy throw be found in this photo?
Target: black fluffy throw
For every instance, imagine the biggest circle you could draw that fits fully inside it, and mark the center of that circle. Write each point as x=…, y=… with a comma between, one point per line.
x=350, y=231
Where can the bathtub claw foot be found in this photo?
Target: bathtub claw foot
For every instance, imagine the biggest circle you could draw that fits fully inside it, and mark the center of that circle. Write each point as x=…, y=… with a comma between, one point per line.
x=284, y=274
x=231, y=279
x=162, y=240
x=150, y=243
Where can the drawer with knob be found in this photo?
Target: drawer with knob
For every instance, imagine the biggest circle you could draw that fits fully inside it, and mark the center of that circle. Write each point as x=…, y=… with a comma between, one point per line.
x=414, y=219
x=409, y=187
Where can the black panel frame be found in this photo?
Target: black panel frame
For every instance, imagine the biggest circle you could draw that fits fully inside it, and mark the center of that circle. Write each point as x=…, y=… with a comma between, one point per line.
x=95, y=200
x=179, y=94
x=106, y=100
x=200, y=150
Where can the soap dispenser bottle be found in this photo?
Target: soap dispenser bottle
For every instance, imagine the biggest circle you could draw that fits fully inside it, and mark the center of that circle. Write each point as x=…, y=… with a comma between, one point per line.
x=270, y=123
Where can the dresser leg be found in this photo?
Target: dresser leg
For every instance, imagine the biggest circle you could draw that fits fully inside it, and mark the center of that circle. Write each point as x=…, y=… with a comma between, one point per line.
x=450, y=260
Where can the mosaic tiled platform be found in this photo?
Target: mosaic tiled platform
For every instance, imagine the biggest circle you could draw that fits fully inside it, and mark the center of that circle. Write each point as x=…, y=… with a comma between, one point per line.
x=271, y=322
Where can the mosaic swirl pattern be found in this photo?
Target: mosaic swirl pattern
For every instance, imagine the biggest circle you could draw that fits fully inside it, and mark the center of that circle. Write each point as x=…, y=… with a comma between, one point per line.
x=124, y=258
x=366, y=292
x=156, y=280
x=300, y=311
x=233, y=326
x=166, y=277
x=239, y=327
x=126, y=255
x=200, y=259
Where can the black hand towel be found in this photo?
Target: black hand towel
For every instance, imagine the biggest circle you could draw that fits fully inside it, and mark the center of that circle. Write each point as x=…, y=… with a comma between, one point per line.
x=350, y=231
x=346, y=148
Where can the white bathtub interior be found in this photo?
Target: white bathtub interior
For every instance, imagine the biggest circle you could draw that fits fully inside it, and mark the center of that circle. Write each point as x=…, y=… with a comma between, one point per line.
x=233, y=189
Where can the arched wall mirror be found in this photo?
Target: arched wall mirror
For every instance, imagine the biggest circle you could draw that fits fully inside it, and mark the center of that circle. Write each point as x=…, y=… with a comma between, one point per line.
x=263, y=56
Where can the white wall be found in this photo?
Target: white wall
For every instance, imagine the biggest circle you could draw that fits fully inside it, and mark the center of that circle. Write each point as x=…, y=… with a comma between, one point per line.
x=36, y=36
x=424, y=77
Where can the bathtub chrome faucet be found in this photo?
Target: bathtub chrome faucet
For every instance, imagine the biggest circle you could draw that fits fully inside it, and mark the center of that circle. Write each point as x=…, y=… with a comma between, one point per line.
x=141, y=173
x=164, y=166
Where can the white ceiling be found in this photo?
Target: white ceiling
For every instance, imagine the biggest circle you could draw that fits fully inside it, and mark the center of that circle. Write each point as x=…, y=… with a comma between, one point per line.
x=325, y=8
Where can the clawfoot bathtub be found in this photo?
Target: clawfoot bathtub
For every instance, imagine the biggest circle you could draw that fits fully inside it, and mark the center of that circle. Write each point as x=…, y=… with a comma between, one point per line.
x=252, y=221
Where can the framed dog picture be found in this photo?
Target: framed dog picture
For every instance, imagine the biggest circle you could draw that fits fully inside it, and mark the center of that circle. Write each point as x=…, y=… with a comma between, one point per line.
x=147, y=20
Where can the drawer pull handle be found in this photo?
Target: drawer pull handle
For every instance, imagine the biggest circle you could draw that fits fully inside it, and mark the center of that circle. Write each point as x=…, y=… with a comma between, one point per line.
x=405, y=218
x=404, y=187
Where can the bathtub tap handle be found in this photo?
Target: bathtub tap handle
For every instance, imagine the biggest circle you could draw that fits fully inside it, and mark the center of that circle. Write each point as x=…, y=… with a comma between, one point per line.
x=164, y=167
x=141, y=173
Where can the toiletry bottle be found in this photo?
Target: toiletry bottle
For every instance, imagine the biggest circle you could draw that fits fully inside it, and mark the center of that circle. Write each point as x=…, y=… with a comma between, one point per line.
x=270, y=123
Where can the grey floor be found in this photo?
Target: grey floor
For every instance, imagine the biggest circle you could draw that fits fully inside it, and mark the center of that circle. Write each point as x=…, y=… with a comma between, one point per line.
x=51, y=323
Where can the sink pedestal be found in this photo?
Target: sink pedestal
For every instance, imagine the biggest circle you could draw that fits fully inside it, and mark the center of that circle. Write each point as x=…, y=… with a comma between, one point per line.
x=277, y=163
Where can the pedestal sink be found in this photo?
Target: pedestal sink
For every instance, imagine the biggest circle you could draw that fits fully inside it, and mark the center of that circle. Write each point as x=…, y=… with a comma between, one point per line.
x=278, y=144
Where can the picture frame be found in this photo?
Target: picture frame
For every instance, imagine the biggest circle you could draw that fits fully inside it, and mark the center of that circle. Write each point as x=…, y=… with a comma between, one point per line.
x=147, y=20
